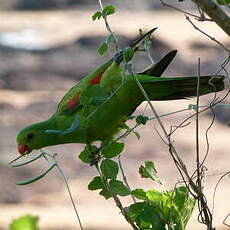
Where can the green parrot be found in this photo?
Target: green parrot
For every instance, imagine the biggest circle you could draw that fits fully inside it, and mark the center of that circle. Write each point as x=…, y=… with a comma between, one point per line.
x=98, y=106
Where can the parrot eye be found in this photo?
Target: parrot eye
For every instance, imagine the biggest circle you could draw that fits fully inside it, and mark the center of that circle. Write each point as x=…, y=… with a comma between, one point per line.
x=30, y=136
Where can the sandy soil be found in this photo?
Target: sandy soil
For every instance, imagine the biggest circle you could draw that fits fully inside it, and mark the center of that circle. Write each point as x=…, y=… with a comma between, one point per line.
x=48, y=198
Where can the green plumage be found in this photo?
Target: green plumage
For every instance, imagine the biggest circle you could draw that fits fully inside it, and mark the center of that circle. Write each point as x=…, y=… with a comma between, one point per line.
x=98, y=106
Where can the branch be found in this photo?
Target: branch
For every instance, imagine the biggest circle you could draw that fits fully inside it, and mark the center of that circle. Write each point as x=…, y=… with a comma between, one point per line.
x=215, y=13
x=206, y=34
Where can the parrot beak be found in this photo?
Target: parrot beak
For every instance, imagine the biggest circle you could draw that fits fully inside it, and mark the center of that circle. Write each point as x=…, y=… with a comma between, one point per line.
x=24, y=149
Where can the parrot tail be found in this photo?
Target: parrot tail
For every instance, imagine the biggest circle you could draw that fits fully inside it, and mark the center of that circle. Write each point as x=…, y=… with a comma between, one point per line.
x=158, y=68
x=181, y=87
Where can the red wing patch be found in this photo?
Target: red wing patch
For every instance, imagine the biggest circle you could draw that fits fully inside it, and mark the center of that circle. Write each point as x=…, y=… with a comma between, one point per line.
x=73, y=101
x=97, y=79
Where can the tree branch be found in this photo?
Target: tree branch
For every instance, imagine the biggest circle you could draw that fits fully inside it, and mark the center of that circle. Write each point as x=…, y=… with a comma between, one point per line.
x=215, y=13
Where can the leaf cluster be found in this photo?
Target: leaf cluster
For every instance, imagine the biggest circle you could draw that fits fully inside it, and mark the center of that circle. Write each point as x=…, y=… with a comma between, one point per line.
x=106, y=11
x=161, y=210
x=107, y=182
x=26, y=222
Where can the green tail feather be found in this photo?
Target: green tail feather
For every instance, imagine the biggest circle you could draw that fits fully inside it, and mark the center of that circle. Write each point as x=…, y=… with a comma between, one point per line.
x=181, y=87
x=158, y=68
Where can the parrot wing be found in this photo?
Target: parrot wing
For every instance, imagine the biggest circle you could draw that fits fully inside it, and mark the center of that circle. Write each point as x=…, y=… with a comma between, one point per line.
x=71, y=101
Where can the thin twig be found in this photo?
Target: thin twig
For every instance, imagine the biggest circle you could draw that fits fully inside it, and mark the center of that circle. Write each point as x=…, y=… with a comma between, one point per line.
x=108, y=27
x=197, y=127
x=204, y=210
x=207, y=35
x=172, y=149
x=124, y=177
x=197, y=17
x=216, y=13
x=69, y=192
x=224, y=221
x=215, y=189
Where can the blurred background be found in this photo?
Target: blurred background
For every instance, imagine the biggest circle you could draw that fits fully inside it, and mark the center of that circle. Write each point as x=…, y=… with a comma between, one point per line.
x=46, y=46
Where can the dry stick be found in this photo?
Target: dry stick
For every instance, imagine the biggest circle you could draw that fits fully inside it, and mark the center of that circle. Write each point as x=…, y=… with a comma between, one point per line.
x=215, y=13
x=215, y=189
x=224, y=221
x=203, y=110
x=212, y=38
x=124, y=178
x=201, y=17
x=211, y=124
x=189, y=179
x=69, y=192
x=171, y=146
x=197, y=126
x=178, y=160
x=201, y=198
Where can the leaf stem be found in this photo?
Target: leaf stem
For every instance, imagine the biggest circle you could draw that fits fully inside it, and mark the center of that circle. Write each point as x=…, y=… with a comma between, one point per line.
x=69, y=192
x=108, y=27
x=124, y=177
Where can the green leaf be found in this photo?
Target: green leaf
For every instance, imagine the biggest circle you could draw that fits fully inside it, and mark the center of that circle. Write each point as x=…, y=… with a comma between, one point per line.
x=112, y=150
x=155, y=196
x=119, y=188
x=137, y=135
x=96, y=183
x=149, y=171
x=152, y=218
x=135, y=210
x=109, y=169
x=111, y=38
x=161, y=210
x=85, y=154
x=184, y=203
x=223, y=2
x=109, y=9
x=131, y=117
x=139, y=194
x=27, y=222
x=146, y=216
x=103, y=48
x=187, y=211
x=142, y=120
x=180, y=197
x=97, y=15
x=105, y=193
x=128, y=54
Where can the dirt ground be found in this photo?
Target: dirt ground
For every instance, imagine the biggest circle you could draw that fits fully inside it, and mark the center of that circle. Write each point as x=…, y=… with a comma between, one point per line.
x=48, y=198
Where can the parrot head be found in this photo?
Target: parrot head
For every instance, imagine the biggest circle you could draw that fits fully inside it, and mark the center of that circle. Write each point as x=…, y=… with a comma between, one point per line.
x=42, y=134
x=34, y=137
x=30, y=138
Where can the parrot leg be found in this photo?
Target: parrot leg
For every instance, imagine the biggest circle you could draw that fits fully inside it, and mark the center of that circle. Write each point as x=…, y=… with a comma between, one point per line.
x=71, y=129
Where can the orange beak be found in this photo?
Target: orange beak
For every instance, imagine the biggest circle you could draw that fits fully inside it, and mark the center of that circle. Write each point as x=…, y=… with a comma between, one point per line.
x=24, y=149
